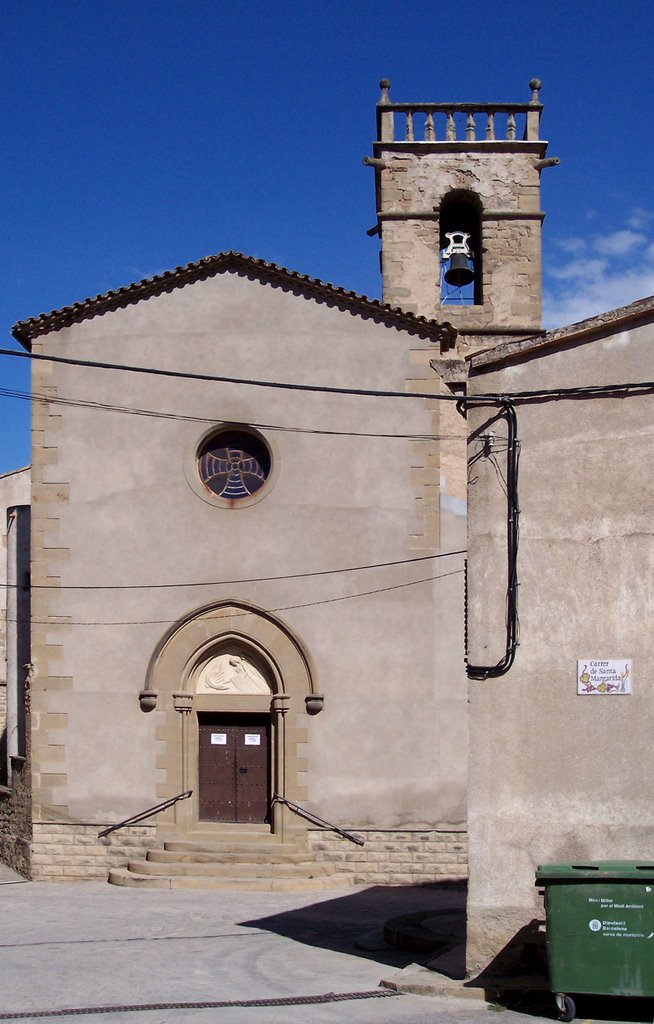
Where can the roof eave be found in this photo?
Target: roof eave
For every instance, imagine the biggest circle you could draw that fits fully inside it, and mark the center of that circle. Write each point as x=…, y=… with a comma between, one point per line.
x=26, y=330
x=613, y=319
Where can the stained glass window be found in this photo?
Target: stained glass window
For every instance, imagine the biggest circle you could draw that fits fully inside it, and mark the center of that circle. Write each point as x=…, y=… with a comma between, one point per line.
x=234, y=464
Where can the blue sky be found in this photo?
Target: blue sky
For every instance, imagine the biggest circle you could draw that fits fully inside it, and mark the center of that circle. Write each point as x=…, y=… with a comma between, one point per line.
x=140, y=136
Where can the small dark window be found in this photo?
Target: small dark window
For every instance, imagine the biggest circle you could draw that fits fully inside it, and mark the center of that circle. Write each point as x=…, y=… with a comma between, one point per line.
x=233, y=464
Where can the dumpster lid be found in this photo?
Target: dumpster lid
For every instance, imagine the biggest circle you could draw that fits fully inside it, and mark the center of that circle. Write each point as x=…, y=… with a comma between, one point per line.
x=587, y=870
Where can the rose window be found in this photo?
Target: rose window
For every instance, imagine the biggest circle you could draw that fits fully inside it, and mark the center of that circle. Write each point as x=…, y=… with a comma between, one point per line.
x=234, y=464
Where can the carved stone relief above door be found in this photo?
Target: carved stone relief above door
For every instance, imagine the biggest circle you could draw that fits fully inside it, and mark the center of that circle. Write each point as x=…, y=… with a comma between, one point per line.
x=231, y=672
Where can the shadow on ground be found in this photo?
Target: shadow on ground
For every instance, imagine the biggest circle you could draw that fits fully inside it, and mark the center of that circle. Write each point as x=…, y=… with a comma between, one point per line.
x=518, y=979
x=354, y=923
x=589, y=1009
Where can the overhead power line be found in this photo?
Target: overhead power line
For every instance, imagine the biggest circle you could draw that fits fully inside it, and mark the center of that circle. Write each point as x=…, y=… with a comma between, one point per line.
x=251, y=579
x=216, y=378
x=187, y=418
x=60, y=621
x=581, y=391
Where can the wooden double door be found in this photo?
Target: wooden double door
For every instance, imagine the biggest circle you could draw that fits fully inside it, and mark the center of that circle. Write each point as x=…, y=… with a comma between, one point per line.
x=234, y=767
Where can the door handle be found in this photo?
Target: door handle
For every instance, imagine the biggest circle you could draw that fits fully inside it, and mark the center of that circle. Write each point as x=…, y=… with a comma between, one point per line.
x=243, y=771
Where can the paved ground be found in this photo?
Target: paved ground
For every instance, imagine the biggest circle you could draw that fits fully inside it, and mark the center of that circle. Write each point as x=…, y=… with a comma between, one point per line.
x=83, y=945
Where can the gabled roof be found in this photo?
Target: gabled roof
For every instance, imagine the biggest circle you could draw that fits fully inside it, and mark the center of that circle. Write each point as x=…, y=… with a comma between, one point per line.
x=613, y=320
x=25, y=330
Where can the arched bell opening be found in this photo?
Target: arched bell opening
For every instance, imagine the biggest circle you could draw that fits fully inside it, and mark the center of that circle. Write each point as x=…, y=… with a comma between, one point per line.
x=460, y=246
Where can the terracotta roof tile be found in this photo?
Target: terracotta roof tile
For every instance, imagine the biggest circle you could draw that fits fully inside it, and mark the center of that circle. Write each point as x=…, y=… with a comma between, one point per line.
x=25, y=330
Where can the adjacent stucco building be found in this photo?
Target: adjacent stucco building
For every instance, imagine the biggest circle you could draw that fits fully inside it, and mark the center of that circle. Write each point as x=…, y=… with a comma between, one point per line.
x=561, y=749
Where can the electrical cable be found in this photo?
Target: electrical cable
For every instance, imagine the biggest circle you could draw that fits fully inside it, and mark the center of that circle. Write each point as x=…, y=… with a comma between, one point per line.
x=156, y=414
x=504, y=400
x=282, y=608
x=512, y=625
x=225, y=583
x=216, y=378
x=581, y=391
x=594, y=390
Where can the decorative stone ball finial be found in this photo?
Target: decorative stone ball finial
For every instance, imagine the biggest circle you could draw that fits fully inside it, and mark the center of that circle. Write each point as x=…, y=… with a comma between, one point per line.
x=148, y=700
x=384, y=85
x=314, y=703
x=535, y=85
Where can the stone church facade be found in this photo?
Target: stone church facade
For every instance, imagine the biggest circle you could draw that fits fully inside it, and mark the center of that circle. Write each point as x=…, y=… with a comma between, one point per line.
x=256, y=593
x=180, y=524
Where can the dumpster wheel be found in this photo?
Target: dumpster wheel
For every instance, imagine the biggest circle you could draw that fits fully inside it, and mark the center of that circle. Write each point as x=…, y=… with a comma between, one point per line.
x=566, y=1007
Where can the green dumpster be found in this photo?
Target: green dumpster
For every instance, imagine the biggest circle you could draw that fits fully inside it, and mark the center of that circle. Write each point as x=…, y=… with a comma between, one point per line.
x=600, y=929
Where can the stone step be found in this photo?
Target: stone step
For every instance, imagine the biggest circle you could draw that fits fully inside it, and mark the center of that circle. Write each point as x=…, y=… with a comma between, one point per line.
x=232, y=826
x=282, y=855
x=244, y=849
x=308, y=869
x=228, y=833
x=122, y=876
x=214, y=841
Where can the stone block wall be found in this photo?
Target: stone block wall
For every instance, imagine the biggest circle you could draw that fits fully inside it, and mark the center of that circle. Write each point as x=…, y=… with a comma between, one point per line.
x=62, y=851
x=506, y=186
x=407, y=857
x=3, y=712
x=15, y=819
x=70, y=852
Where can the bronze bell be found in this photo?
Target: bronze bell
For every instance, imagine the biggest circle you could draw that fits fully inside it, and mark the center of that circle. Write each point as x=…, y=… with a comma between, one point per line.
x=459, y=273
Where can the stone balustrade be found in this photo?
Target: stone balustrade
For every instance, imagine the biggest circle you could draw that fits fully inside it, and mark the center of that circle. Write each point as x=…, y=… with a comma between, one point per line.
x=459, y=122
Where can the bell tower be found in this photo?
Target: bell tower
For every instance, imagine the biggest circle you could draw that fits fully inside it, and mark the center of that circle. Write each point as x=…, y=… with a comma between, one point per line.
x=458, y=213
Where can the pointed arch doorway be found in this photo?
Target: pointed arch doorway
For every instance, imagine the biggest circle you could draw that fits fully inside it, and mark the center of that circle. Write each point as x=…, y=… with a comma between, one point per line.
x=233, y=682
x=233, y=686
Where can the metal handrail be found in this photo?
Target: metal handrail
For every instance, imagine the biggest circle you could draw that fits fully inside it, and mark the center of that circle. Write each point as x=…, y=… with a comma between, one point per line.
x=316, y=820
x=145, y=814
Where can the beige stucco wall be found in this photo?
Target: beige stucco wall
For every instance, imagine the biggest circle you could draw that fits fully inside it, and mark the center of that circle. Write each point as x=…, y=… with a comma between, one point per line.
x=555, y=776
x=112, y=507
